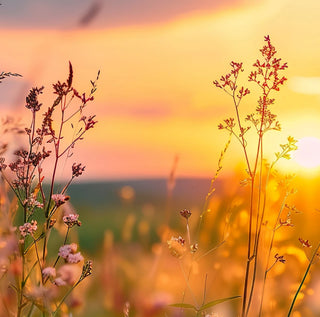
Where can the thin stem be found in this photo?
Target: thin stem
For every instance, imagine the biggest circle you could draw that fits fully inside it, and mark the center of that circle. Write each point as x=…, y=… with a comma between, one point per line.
x=212, y=189
x=205, y=290
x=303, y=279
x=57, y=145
x=249, y=258
x=12, y=188
x=211, y=250
x=38, y=258
x=258, y=227
x=188, y=284
x=30, y=310
x=188, y=233
x=64, y=297
x=267, y=269
x=20, y=296
x=64, y=243
x=242, y=136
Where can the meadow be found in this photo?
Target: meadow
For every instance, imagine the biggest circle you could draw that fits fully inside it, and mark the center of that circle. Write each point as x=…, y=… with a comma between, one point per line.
x=242, y=242
x=130, y=230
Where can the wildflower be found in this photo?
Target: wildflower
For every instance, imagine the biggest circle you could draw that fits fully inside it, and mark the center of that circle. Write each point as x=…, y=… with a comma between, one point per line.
x=68, y=252
x=71, y=220
x=292, y=208
x=279, y=258
x=176, y=246
x=32, y=102
x=61, y=89
x=74, y=257
x=89, y=122
x=49, y=272
x=86, y=270
x=305, y=243
x=66, y=249
x=77, y=169
x=60, y=199
x=31, y=202
x=28, y=228
x=83, y=97
x=185, y=213
x=286, y=222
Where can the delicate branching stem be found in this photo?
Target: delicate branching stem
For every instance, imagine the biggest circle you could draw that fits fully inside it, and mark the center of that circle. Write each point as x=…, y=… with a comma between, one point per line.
x=31, y=195
x=212, y=186
x=242, y=136
x=211, y=250
x=38, y=258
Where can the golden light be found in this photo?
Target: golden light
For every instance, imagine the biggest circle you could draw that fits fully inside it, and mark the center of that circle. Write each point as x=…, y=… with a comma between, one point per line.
x=308, y=153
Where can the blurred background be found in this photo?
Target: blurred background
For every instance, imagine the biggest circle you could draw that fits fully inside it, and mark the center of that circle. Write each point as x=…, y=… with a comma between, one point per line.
x=156, y=145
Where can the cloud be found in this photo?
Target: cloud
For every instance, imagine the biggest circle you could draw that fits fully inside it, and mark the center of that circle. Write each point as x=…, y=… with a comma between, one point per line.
x=100, y=13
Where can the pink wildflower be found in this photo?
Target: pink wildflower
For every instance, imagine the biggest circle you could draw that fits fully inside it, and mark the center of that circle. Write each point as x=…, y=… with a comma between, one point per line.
x=49, y=272
x=31, y=202
x=185, y=213
x=74, y=257
x=68, y=252
x=60, y=199
x=72, y=220
x=28, y=228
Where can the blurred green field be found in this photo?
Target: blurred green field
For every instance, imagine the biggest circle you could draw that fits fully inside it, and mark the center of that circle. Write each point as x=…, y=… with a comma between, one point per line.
x=103, y=206
x=118, y=207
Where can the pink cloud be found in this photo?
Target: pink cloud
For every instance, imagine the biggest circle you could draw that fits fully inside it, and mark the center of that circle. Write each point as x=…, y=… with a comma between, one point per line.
x=61, y=14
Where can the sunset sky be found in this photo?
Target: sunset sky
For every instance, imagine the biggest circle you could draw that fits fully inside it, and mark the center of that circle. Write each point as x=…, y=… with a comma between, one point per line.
x=155, y=97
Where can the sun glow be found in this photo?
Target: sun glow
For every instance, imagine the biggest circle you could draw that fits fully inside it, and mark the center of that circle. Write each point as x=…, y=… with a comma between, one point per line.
x=308, y=153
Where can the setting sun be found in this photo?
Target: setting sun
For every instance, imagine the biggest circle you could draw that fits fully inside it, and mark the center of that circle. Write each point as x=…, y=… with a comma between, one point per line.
x=308, y=153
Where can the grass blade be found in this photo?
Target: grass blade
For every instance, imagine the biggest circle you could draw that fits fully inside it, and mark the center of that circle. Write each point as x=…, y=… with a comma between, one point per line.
x=216, y=302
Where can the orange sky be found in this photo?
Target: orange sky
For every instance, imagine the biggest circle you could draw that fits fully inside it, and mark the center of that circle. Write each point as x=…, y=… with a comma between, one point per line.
x=155, y=97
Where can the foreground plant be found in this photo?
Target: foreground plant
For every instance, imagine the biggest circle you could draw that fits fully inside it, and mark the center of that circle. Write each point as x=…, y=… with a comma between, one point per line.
x=266, y=75
x=43, y=278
